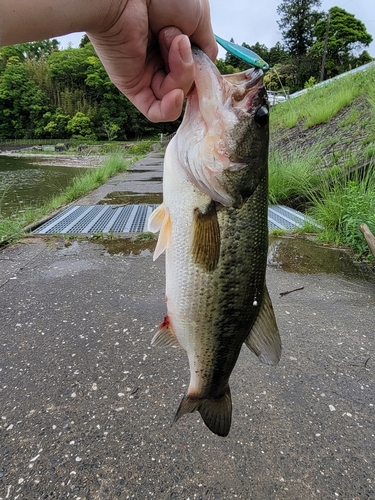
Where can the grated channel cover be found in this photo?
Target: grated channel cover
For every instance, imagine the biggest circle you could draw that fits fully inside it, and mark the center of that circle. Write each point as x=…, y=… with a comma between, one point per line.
x=284, y=218
x=133, y=219
x=98, y=219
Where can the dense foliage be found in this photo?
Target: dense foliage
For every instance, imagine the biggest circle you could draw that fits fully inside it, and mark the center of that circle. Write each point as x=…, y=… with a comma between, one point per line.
x=50, y=93
x=297, y=21
x=47, y=93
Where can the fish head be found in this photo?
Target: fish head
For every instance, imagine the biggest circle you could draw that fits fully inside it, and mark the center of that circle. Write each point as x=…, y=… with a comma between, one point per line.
x=223, y=139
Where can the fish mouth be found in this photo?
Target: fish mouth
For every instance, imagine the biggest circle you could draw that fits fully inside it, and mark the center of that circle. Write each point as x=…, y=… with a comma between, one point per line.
x=236, y=90
x=246, y=89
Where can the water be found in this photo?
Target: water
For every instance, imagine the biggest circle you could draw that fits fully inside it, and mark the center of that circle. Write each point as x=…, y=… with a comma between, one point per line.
x=302, y=256
x=24, y=183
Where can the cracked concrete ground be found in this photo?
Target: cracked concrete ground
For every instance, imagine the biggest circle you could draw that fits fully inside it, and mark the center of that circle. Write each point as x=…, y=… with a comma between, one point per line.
x=86, y=403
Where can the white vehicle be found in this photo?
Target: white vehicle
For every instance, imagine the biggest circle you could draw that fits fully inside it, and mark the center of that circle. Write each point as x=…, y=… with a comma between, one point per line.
x=275, y=97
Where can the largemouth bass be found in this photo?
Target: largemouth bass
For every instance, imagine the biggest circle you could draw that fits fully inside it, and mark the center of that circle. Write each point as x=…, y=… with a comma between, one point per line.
x=213, y=227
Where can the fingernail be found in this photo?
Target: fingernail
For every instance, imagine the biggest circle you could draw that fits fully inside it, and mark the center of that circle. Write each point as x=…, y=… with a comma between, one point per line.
x=184, y=48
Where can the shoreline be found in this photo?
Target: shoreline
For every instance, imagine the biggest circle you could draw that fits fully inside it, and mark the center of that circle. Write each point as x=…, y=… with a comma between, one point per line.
x=63, y=160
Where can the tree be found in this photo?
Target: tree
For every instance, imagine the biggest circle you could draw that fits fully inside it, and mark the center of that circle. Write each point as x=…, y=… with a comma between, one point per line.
x=56, y=127
x=297, y=21
x=277, y=55
x=36, y=50
x=22, y=103
x=84, y=40
x=111, y=130
x=346, y=35
x=80, y=125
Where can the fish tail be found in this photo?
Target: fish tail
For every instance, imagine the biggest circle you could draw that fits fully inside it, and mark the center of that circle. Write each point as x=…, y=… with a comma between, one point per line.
x=216, y=412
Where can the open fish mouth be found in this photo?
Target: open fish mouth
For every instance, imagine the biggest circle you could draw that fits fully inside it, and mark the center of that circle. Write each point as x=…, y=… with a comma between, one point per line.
x=236, y=89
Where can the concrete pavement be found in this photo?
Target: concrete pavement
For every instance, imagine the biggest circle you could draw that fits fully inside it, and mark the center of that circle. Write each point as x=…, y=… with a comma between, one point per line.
x=86, y=404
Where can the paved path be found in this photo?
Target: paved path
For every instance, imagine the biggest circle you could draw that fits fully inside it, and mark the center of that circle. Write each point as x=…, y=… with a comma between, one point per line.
x=86, y=403
x=144, y=176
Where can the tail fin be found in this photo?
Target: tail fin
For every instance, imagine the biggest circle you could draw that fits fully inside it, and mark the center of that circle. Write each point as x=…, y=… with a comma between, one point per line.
x=216, y=413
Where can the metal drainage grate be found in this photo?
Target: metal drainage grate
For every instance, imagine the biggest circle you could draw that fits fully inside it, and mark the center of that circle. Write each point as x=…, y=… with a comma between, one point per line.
x=133, y=219
x=99, y=219
x=285, y=218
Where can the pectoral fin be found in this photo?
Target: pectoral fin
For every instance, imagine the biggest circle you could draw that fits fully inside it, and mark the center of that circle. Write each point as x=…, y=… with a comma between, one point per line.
x=160, y=220
x=264, y=339
x=206, y=239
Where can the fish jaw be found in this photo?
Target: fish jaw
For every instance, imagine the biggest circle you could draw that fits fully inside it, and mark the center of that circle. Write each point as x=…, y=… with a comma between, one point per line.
x=218, y=115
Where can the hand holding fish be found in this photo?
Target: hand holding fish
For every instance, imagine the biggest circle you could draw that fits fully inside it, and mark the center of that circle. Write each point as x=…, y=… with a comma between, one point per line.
x=143, y=44
x=147, y=53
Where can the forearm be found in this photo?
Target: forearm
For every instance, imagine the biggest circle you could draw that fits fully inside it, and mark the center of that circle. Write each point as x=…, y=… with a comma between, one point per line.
x=27, y=20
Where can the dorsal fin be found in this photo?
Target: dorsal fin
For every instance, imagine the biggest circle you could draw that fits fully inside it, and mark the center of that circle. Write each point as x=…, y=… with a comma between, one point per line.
x=264, y=339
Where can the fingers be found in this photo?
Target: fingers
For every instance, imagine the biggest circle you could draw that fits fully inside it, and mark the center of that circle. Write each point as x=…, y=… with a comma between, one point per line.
x=204, y=36
x=179, y=61
x=163, y=100
x=167, y=109
x=191, y=18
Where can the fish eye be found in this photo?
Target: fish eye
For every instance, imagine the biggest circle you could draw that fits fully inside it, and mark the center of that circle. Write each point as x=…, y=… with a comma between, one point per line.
x=262, y=116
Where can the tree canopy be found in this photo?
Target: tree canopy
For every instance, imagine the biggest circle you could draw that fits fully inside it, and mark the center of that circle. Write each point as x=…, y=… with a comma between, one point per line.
x=46, y=92
x=50, y=93
x=297, y=21
x=346, y=35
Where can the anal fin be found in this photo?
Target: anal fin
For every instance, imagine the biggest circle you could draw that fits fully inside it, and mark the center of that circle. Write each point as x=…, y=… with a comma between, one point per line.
x=264, y=339
x=165, y=336
x=216, y=412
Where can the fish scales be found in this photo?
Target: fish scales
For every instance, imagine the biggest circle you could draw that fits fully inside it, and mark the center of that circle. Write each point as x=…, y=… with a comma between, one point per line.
x=213, y=227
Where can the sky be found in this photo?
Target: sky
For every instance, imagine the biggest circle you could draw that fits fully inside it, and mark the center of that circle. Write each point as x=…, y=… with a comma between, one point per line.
x=255, y=21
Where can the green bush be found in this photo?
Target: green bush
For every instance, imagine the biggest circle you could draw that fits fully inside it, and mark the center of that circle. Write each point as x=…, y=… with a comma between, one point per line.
x=141, y=148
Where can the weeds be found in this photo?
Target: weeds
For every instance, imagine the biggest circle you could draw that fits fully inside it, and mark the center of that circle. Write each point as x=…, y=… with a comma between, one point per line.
x=141, y=148
x=291, y=177
x=341, y=206
x=320, y=104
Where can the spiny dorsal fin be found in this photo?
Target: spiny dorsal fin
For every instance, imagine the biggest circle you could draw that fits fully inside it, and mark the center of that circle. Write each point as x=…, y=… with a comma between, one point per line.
x=264, y=339
x=206, y=239
x=165, y=336
x=160, y=220
x=216, y=413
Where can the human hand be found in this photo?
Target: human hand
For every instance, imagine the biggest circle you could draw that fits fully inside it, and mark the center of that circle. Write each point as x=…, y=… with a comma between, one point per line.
x=147, y=54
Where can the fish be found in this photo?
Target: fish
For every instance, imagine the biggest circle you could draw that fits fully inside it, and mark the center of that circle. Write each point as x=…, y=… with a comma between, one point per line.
x=213, y=228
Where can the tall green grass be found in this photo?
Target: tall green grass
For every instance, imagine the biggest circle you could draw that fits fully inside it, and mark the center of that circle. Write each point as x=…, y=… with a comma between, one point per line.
x=341, y=205
x=292, y=176
x=12, y=227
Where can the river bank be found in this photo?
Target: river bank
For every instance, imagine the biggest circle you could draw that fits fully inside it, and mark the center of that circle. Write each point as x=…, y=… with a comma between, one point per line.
x=59, y=159
x=12, y=227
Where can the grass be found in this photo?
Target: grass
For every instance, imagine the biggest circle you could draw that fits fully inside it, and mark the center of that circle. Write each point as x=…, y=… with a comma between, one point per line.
x=292, y=176
x=330, y=167
x=320, y=104
x=13, y=228
x=341, y=205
